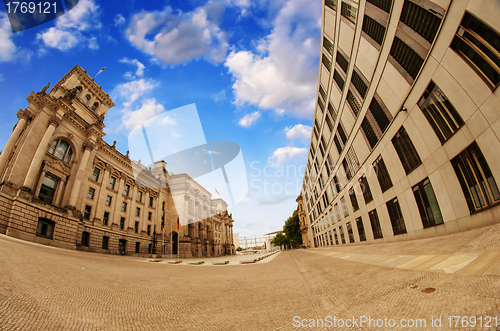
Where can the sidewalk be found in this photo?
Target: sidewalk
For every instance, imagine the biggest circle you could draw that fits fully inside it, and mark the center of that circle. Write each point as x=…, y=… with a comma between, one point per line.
x=474, y=252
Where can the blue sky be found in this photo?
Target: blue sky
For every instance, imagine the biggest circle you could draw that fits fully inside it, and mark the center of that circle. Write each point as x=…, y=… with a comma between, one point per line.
x=250, y=67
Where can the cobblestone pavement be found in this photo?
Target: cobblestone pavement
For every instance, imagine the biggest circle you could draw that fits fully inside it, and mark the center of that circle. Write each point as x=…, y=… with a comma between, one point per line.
x=45, y=288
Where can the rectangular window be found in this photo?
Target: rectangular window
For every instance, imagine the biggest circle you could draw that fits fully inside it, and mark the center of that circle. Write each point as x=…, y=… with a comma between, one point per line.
x=338, y=79
x=350, y=233
x=126, y=190
x=354, y=201
x=336, y=237
x=95, y=174
x=406, y=150
x=440, y=113
x=45, y=228
x=86, y=213
x=332, y=112
x=85, y=239
x=122, y=223
x=328, y=45
x=91, y=193
x=150, y=201
x=322, y=92
x=361, y=229
x=409, y=60
x=373, y=29
x=365, y=188
x=336, y=186
x=105, y=242
x=479, y=186
x=344, y=206
x=139, y=196
x=150, y=215
x=124, y=206
x=421, y=20
x=332, y=4
x=105, y=218
x=337, y=211
x=348, y=12
x=342, y=61
x=136, y=227
x=112, y=181
x=353, y=103
x=326, y=62
x=359, y=83
x=329, y=123
x=479, y=46
x=137, y=247
x=341, y=231
x=427, y=204
x=149, y=229
x=108, y=200
x=138, y=212
x=375, y=223
x=48, y=189
x=385, y=5
x=397, y=220
x=382, y=174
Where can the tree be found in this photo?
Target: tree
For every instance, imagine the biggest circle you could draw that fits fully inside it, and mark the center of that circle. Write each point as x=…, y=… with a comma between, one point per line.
x=292, y=230
x=239, y=249
x=279, y=239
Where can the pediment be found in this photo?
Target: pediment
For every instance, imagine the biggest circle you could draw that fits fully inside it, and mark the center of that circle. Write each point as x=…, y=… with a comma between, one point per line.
x=58, y=168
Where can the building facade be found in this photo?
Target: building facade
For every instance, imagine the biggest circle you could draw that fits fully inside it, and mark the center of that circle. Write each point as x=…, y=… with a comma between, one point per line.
x=406, y=129
x=63, y=185
x=304, y=228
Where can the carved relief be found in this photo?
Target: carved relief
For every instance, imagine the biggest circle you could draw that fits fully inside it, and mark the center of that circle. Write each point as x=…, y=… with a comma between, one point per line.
x=55, y=121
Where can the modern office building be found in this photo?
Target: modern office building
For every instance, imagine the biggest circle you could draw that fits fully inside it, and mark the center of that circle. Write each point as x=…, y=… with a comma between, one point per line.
x=61, y=184
x=405, y=140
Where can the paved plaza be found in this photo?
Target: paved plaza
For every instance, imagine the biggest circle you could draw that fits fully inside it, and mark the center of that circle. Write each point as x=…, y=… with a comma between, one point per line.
x=46, y=288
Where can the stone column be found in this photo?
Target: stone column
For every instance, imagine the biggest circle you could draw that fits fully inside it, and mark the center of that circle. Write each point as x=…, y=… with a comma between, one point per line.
x=9, y=146
x=36, y=161
x=101, y=198
x=87, y=147
x=59, y=192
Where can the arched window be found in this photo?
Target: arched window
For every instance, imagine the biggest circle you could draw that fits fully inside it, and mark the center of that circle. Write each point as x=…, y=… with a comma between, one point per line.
x=86, y=99
x=79, y=90
x=95, y=105
x=61, y=150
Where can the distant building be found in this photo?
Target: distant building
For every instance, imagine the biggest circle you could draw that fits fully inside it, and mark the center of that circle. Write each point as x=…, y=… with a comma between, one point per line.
x=304, y=228
x=63, y=185
x=405, y=140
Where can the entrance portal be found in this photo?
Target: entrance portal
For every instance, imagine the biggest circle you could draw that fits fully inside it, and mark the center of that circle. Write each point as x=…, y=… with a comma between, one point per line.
x=122, y=244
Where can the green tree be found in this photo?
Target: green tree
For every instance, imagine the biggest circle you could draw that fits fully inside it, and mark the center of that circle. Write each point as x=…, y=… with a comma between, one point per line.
x=239, y=249
x=279, y=239
x=292, y=230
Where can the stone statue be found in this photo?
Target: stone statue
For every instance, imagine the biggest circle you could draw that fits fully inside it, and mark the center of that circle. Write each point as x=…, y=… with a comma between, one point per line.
x=45, y=88
x=101, y=119
x=71, y=94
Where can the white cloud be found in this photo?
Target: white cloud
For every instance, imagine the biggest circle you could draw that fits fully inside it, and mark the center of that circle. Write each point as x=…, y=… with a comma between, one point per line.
x=249, y=119
x=176, y=38
x=284, y=154
x=133, y=90
x=298, y=131
x=140, y=68
x=149, y=109
x=8, y=50
x=119, y=20
x=219, y=96
x=282, y=73
x=2, y=78
x=71, y=28
x=7, y=47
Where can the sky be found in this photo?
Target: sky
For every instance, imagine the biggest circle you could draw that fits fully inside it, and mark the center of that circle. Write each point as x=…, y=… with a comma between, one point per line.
x=249, y=68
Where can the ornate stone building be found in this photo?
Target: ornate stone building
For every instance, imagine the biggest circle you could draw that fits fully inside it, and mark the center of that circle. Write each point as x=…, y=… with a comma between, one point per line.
x=405, y=140
x=303, y=222
x=63, y=185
